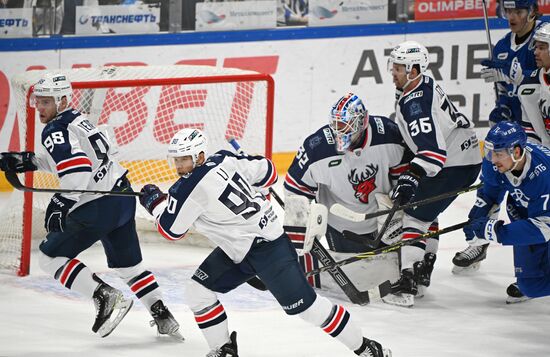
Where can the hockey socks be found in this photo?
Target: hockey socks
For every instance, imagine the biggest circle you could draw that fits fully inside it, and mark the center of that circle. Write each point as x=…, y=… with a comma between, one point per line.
x=142, y=283
x=335, y=321
x=71, y=273
x=212, y=321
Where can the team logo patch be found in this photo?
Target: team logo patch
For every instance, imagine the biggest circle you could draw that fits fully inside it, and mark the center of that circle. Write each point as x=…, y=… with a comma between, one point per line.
x=314, y=141
x=363, y=182
x=415, y=108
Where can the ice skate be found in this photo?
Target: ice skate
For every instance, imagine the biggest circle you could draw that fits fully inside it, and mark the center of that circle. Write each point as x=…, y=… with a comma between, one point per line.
x=515, y=295
x=403, y=290
x=469, y=259
x=371, y=348
x=109, y=301
x=227, y=350
x=165, y=321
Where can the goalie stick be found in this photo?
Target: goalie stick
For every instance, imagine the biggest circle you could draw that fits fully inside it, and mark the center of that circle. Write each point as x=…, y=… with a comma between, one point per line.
x=320, y=252
x=13, y=179
x=350, y=215
x=388, y=249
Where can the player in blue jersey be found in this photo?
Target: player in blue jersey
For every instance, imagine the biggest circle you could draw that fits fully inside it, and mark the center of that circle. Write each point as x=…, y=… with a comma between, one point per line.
x=446, y=158
x=79, y=154
x=221, y=197
x=353, y=161
x=520, y=168
x=514, y=47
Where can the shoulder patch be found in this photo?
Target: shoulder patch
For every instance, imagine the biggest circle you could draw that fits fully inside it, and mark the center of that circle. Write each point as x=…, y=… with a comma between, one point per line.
x=328, y=135
x=379, y=125
x=415, y=108
x=413, y=95
x=314, y=141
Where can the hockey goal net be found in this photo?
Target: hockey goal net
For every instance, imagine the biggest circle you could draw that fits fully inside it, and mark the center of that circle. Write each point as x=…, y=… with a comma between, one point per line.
x=140, y=109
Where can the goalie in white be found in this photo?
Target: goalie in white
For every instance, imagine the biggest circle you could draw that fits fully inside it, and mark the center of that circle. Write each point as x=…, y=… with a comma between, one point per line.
x=219, y=195
x=353, y=161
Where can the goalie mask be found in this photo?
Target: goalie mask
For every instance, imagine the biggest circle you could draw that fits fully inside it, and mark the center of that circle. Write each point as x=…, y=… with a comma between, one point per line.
x=187, y=142
x=348, y=120
x=55, y=85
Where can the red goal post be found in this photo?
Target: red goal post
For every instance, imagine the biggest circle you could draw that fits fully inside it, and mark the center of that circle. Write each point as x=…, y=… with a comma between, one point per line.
x=140, y=109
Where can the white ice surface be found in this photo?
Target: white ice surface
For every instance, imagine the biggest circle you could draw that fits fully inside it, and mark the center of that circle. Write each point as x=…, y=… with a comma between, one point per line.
x=460, y=316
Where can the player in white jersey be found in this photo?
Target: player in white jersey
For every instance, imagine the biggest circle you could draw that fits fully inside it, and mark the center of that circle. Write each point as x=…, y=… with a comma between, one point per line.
x=79, y=154
x=220, y=196
x=446, y=158
x=353, y=161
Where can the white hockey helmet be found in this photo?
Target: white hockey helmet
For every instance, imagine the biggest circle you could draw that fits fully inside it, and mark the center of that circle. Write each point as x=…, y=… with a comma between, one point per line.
x=409, y=53
x=188, y=142
x=54, y=85
x=543, y=34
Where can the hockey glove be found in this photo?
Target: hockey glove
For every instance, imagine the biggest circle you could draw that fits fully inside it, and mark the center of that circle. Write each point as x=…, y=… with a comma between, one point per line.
x=483, y=207
x=482, y=230
x=406, y=186
x=17, y=161
x=151, y=197
x=501, y=112
x=56, y=213
x=502, y=71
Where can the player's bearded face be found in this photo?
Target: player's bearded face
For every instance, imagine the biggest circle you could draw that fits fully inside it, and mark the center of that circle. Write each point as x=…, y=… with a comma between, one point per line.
x=542, y=56
x=184, y=164
x=46, y=108
x=399, y=75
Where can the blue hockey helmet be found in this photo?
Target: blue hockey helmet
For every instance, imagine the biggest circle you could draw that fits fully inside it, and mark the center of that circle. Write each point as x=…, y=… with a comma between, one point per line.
x=503, y=138
x=518, y=4
x=348, y=119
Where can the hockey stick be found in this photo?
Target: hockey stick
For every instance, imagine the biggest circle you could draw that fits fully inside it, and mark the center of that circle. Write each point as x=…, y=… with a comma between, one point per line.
x=13, y=179
x=388, y=249
x=345, y=213
x=489, y=42
x=343, y=281
x=373, y=243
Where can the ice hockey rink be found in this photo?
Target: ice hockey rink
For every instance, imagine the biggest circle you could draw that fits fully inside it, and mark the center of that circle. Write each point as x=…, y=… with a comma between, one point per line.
x=460, y=316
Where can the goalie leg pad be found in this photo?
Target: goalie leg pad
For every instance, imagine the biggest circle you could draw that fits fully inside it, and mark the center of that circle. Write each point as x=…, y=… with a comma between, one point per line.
x=71, y=273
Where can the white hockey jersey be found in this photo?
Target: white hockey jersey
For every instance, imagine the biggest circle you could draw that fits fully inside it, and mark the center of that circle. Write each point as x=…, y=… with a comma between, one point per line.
x=351, y=179
x=79, y=154
x=221, y=201
x=534, y=96
x=436, y=132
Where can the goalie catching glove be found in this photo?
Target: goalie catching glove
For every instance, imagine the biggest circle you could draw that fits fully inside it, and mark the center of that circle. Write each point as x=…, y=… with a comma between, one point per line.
x=17, y=161
x=151, y=197
x=393, y=232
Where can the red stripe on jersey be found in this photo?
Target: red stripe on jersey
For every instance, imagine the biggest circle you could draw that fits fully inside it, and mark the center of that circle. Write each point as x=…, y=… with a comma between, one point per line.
x=77, y=161
x=398, y=170
x=212, y=314
x=410, y=235
x=309, y=267
x=138, y=285
x=289, y=180
x=68, y=269
x=528, y=129
x=335, y=321
x=296, y=237
x=166, y=234
x=273, y=177
x=434, y=155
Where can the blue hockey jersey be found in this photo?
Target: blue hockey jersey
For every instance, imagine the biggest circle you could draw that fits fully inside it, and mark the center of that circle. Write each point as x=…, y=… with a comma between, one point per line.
x=530, y=191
